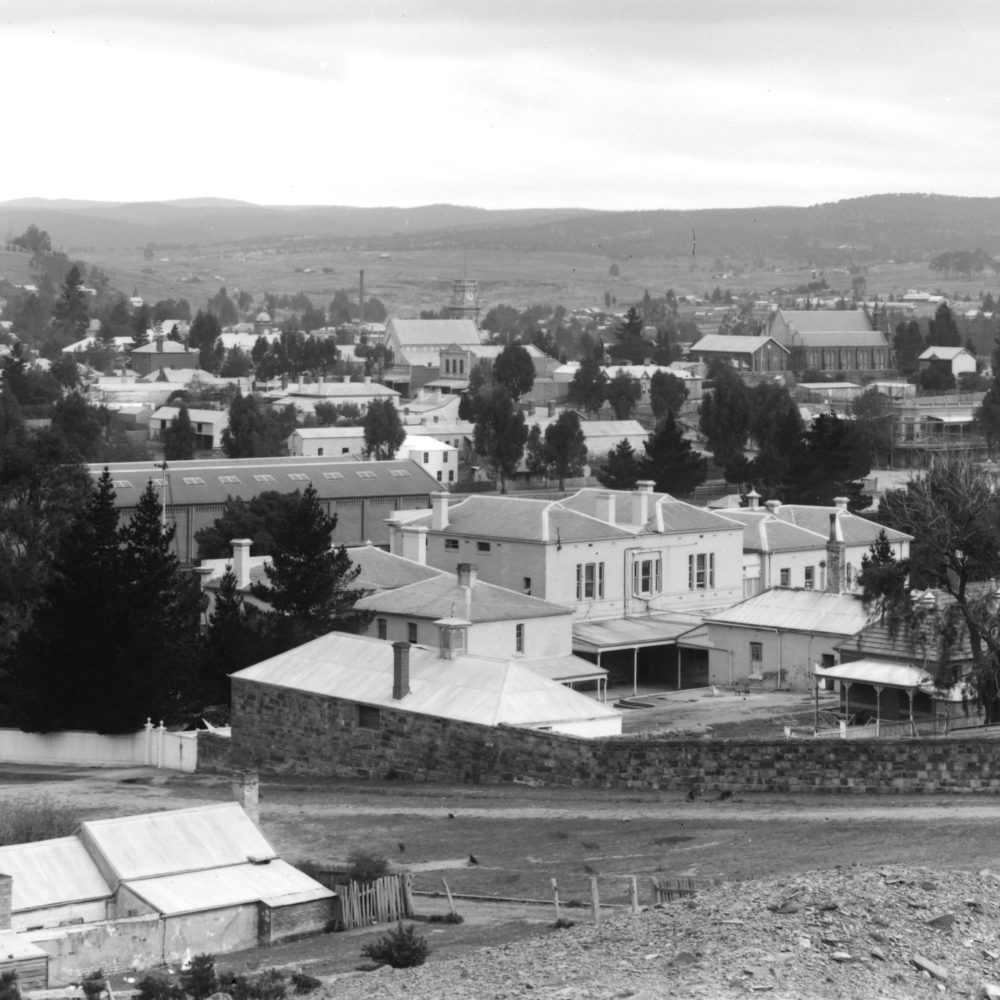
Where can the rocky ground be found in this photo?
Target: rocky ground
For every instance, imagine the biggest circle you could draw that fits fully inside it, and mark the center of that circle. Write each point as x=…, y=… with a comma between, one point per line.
x=886, y=932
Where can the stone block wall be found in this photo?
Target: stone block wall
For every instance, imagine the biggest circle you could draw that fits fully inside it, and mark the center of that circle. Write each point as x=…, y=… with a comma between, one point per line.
x=283, y=731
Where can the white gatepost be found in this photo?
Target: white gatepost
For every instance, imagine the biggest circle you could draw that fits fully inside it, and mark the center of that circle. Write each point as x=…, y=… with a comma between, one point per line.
x=149, y=741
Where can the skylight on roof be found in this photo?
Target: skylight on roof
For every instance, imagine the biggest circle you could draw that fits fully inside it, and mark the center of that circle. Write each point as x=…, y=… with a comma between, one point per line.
x=299, y=477
x=399, y=473
x=265, y=478
x=333, y=475
x=365, y=474
x=121, y=484
x=229, y=479
x=194, y=481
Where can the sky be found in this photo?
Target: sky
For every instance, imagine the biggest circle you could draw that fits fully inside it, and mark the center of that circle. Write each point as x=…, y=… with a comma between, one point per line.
x=617, y=104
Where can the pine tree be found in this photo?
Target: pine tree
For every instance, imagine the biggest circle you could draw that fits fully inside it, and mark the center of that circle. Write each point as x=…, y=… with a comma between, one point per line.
x=179, y=439
x=70, y=315
x=670, y=461
x=621, y=469
x=514, y=370
x=308, y=581
x=235, y=638
x=116, y=639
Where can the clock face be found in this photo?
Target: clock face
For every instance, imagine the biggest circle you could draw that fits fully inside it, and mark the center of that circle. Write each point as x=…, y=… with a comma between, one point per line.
x=470, y=296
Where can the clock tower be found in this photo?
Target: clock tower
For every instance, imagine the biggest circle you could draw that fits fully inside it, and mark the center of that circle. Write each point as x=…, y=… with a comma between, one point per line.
x=465, y=299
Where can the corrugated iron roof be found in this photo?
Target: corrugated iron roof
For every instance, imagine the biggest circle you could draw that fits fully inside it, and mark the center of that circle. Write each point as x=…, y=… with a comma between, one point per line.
x=763, y=532
x=626, y=633
x=840, y=338
x=469, y=688
x=564, y=669
x=275, y=883
x=214, y=481
x=178, y=840
x=894, y=675
x=51, y=872
x=664, y=511
x=15, y=947
x=793, y=610
x=430, y=333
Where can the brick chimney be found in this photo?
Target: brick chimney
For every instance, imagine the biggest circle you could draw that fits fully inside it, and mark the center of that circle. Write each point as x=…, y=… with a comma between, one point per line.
x=246, y=791
x=773, y=506
x=400, y=670
x=439, y=508
x=836, y=557
x=6, y=897
x=241, y=561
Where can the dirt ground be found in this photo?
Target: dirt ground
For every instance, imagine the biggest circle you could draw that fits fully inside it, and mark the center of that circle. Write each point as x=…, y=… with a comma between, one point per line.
x=521, y=838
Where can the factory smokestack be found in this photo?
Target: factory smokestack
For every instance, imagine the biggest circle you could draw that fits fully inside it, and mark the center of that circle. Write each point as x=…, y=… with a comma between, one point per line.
x=361, y=300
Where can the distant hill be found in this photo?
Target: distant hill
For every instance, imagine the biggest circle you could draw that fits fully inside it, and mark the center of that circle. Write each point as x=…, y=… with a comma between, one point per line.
x=889, y=226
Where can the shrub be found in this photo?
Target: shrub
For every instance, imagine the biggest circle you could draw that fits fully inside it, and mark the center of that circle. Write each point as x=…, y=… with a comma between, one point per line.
x=23, y=821
x=367, y=866
x=158, y=986
x=199, y=979
x=93, y=984
x=304, y=983
x=266, y=985
x=8, y=985
x=563, y=924
x=446, y=918
x=401, y=948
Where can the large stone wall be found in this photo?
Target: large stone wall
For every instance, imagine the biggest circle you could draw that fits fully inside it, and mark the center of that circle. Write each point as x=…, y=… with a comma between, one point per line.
x=283, y=731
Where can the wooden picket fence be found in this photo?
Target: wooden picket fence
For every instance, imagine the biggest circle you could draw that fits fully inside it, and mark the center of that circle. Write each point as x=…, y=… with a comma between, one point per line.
x=384, y=900
x=666, y=890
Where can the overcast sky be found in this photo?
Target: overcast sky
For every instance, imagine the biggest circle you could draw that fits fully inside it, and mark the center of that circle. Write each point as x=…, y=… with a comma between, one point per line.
x=616, y=104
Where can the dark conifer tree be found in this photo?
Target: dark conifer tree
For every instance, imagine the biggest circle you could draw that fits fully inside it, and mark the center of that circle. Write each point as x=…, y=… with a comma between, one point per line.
x=670, y=462
x=309, y=582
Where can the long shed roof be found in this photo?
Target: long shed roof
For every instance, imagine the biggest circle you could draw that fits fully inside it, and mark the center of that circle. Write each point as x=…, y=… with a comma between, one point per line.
x=213, y=481
x=275, y=883
x=52, y=872
x=177, y=840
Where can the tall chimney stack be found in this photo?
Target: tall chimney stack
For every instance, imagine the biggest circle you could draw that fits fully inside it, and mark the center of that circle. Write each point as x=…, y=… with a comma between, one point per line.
x=836, y=556
x=439, y=508
x=361, y=299
x=241, y=561
x=400, y=670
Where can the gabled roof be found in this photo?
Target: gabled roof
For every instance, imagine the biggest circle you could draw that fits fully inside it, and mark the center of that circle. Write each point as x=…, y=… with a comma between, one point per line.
x=51, y=873
x=730, y=344
x=943, y=353
x=442, y=597
x=468, y=689
x=824, y=320
x=796, y=611
x=178, y=840
x=522, y=519
x=381, y=570
x=434, y=333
